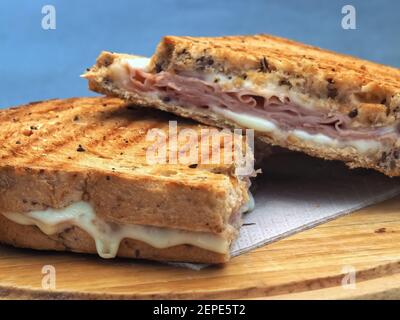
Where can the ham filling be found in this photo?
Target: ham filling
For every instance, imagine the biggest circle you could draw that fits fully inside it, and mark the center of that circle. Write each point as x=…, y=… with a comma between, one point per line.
x=196, y=93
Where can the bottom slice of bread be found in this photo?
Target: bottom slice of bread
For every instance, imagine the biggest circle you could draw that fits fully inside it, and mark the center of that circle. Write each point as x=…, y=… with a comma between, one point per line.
x=74, y=239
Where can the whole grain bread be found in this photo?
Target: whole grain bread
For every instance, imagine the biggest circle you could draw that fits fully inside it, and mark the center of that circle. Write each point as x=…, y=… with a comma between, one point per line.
x=57, y=152
x=346, y=81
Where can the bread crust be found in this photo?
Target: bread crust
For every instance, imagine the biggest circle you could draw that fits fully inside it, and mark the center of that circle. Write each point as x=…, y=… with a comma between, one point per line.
x=42, y=165
x=328, y=79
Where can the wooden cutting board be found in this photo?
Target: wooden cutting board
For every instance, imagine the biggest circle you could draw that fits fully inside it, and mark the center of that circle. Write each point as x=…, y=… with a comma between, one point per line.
x=312, y=264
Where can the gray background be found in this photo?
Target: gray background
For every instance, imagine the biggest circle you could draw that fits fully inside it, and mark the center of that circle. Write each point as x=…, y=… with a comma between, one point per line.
x=37, y=64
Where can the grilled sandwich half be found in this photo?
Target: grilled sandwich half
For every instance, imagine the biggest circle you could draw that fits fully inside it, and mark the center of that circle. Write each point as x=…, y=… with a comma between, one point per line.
x=296, y=96
x=75, y=176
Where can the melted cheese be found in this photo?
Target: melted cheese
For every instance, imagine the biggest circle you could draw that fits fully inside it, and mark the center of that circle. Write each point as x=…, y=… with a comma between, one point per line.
x=363, y=146
x=141, y=63
x=249, y=206
x=263, y=125
x=246, y=120
x=268, y=89
x=108, y=236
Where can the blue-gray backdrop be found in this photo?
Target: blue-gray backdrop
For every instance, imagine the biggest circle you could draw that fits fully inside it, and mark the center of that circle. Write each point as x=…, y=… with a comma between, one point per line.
x=37, y=64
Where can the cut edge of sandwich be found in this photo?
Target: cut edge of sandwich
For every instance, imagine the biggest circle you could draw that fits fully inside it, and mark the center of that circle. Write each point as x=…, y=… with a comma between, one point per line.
x=353, y=105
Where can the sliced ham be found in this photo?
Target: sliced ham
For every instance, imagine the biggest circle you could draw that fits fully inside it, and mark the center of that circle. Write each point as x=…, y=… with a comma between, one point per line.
x=193, y=92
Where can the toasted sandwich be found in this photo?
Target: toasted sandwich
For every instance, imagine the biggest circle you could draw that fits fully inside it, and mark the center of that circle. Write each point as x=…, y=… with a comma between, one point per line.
x=293, y=95
x=75, y=176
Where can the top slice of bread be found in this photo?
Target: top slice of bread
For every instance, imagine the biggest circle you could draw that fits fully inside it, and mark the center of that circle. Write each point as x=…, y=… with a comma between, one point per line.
x=57, y=152
x=346, y=82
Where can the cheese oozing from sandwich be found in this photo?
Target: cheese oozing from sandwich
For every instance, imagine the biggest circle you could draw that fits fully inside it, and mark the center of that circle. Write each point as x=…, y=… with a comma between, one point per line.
x=264, y=109
x=108, y=236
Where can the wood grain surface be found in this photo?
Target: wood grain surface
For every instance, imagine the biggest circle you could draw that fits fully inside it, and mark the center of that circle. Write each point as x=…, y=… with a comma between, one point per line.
x=310, y=265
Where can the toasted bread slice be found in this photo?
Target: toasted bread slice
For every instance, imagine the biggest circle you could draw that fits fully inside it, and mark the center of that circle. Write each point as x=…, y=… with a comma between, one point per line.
x=77, y=170
x=295, y=96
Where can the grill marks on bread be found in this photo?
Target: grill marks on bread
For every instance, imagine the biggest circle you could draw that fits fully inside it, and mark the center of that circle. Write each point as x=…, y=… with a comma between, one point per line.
x=345, y=79
x=56, y=130
x=97, y=128
x=88, y=132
